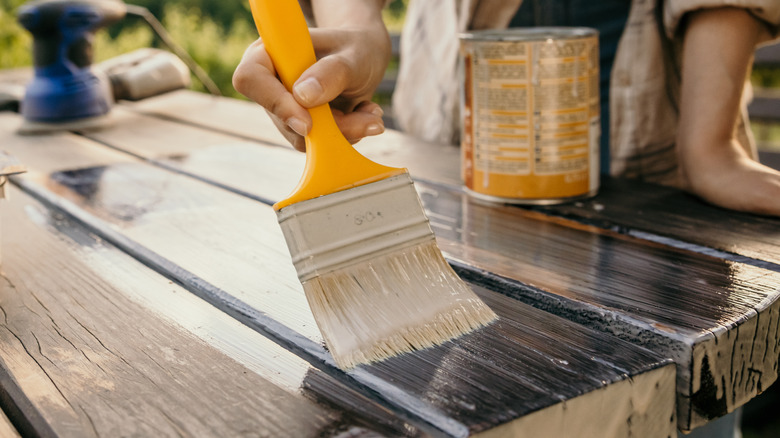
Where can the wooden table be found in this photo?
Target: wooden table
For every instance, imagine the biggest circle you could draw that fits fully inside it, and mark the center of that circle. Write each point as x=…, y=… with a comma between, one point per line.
x=147, y=290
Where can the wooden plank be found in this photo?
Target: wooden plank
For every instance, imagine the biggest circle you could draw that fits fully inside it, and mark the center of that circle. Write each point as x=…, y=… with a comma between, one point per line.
x=644, y=210
x=688, y=316
x=198, y=151
x=230, y=161
x=7, y=429
x=96, y=344
x=718, y=319
x=693, y=220
x=246, y=120
x=229, y=250
x=671, y=217
x=239, y=118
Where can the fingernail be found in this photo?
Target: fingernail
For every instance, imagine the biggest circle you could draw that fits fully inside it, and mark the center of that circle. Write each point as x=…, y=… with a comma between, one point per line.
x=298, y=125
x=308, y=90
x=375, y=129
x=378, y=111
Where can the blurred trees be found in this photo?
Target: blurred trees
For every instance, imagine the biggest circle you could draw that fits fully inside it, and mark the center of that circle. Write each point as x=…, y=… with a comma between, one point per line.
x=14, y=40
x=214, y=32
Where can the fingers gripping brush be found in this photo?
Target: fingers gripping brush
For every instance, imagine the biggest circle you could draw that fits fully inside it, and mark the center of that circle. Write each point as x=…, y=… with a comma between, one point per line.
x=360, y=241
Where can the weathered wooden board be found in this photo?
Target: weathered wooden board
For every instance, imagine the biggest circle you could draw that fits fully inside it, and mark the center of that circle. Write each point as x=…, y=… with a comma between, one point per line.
x=717, y=318
x=674, y=218
x=643, y=210
x=232, y=162
x=238, y=118
x=200, y=152
x=7, y=429
x=513, y=376
x=93, y=343
x=246, y=120
x=711, y=314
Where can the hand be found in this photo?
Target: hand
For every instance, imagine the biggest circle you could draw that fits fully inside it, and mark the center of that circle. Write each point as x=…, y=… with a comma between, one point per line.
x=351, y=63
x=726, y=176
x=717, y=54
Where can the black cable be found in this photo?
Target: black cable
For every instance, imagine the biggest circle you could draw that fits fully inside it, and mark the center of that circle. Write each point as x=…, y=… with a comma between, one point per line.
x=158, y=29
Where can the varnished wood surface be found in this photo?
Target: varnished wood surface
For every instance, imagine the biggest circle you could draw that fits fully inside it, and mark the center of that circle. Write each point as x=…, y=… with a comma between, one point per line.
x=228, y=249
x=677, y=219
x=649, y=264
x=96, y=344
x=643, y=210
x=718, y=319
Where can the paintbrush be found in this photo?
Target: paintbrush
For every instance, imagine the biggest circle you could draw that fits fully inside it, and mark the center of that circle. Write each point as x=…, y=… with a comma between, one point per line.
x=375, y=280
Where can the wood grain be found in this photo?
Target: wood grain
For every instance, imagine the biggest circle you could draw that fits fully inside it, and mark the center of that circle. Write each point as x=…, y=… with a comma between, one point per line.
x=717, y=319
x=100, y=345
x=643, y=210
x=674, y=218
x=238, y=118
x=637, y=261
x=248, y=121
x=229, y=250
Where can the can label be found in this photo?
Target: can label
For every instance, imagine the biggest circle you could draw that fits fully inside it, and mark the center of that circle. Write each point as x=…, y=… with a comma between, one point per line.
x=530, y=115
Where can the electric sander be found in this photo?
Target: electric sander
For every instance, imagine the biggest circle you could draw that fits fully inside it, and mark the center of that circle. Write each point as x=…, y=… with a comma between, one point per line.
x=66, y=92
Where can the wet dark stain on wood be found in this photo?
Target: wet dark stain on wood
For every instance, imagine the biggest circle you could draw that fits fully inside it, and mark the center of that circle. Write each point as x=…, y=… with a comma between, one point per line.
x=554, y=367
x=597, y=274
x=662, y=212
x=706, y=400
x=674, y=301
x=652, y=292
x=636, y=262
x=86, y=360
x=672, y=223
x=528, y=362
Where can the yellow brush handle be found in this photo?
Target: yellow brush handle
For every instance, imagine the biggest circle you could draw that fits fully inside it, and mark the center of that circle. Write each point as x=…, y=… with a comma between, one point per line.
x=332, y=164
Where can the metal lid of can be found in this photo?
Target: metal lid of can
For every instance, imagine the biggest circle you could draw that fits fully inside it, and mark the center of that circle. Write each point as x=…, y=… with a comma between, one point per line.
x=541, y=33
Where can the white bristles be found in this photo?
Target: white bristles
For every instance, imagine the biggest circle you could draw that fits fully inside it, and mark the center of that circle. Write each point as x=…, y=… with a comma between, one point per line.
x=376, y=282
x=401, y=301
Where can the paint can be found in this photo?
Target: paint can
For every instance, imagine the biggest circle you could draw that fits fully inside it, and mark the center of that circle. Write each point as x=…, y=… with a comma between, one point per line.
x=530, y=115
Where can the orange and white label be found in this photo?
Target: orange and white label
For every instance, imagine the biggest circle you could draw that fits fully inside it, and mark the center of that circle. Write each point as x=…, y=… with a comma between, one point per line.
x=531, y=118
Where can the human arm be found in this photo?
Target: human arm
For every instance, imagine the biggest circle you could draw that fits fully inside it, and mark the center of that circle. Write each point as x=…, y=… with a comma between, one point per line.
x=353, y=49
x=716, y=56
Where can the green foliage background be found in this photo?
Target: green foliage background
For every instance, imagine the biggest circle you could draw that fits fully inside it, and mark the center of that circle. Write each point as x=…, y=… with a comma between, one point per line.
x=14, y=40
x=214, y=32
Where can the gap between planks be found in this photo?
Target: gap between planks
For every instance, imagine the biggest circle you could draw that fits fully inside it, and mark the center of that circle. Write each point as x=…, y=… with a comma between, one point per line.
x=649, y=237
x=373, y=387
x=231, y=116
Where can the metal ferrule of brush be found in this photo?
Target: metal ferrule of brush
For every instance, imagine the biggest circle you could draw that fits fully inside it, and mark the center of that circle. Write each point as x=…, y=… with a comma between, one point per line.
x=345, y=228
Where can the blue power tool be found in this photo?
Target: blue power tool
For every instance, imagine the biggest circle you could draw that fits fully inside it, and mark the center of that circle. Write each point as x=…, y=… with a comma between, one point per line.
x=66, y=90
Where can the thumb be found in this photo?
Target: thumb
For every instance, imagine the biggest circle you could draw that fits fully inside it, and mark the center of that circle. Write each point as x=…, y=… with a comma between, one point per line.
x=324, y=82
